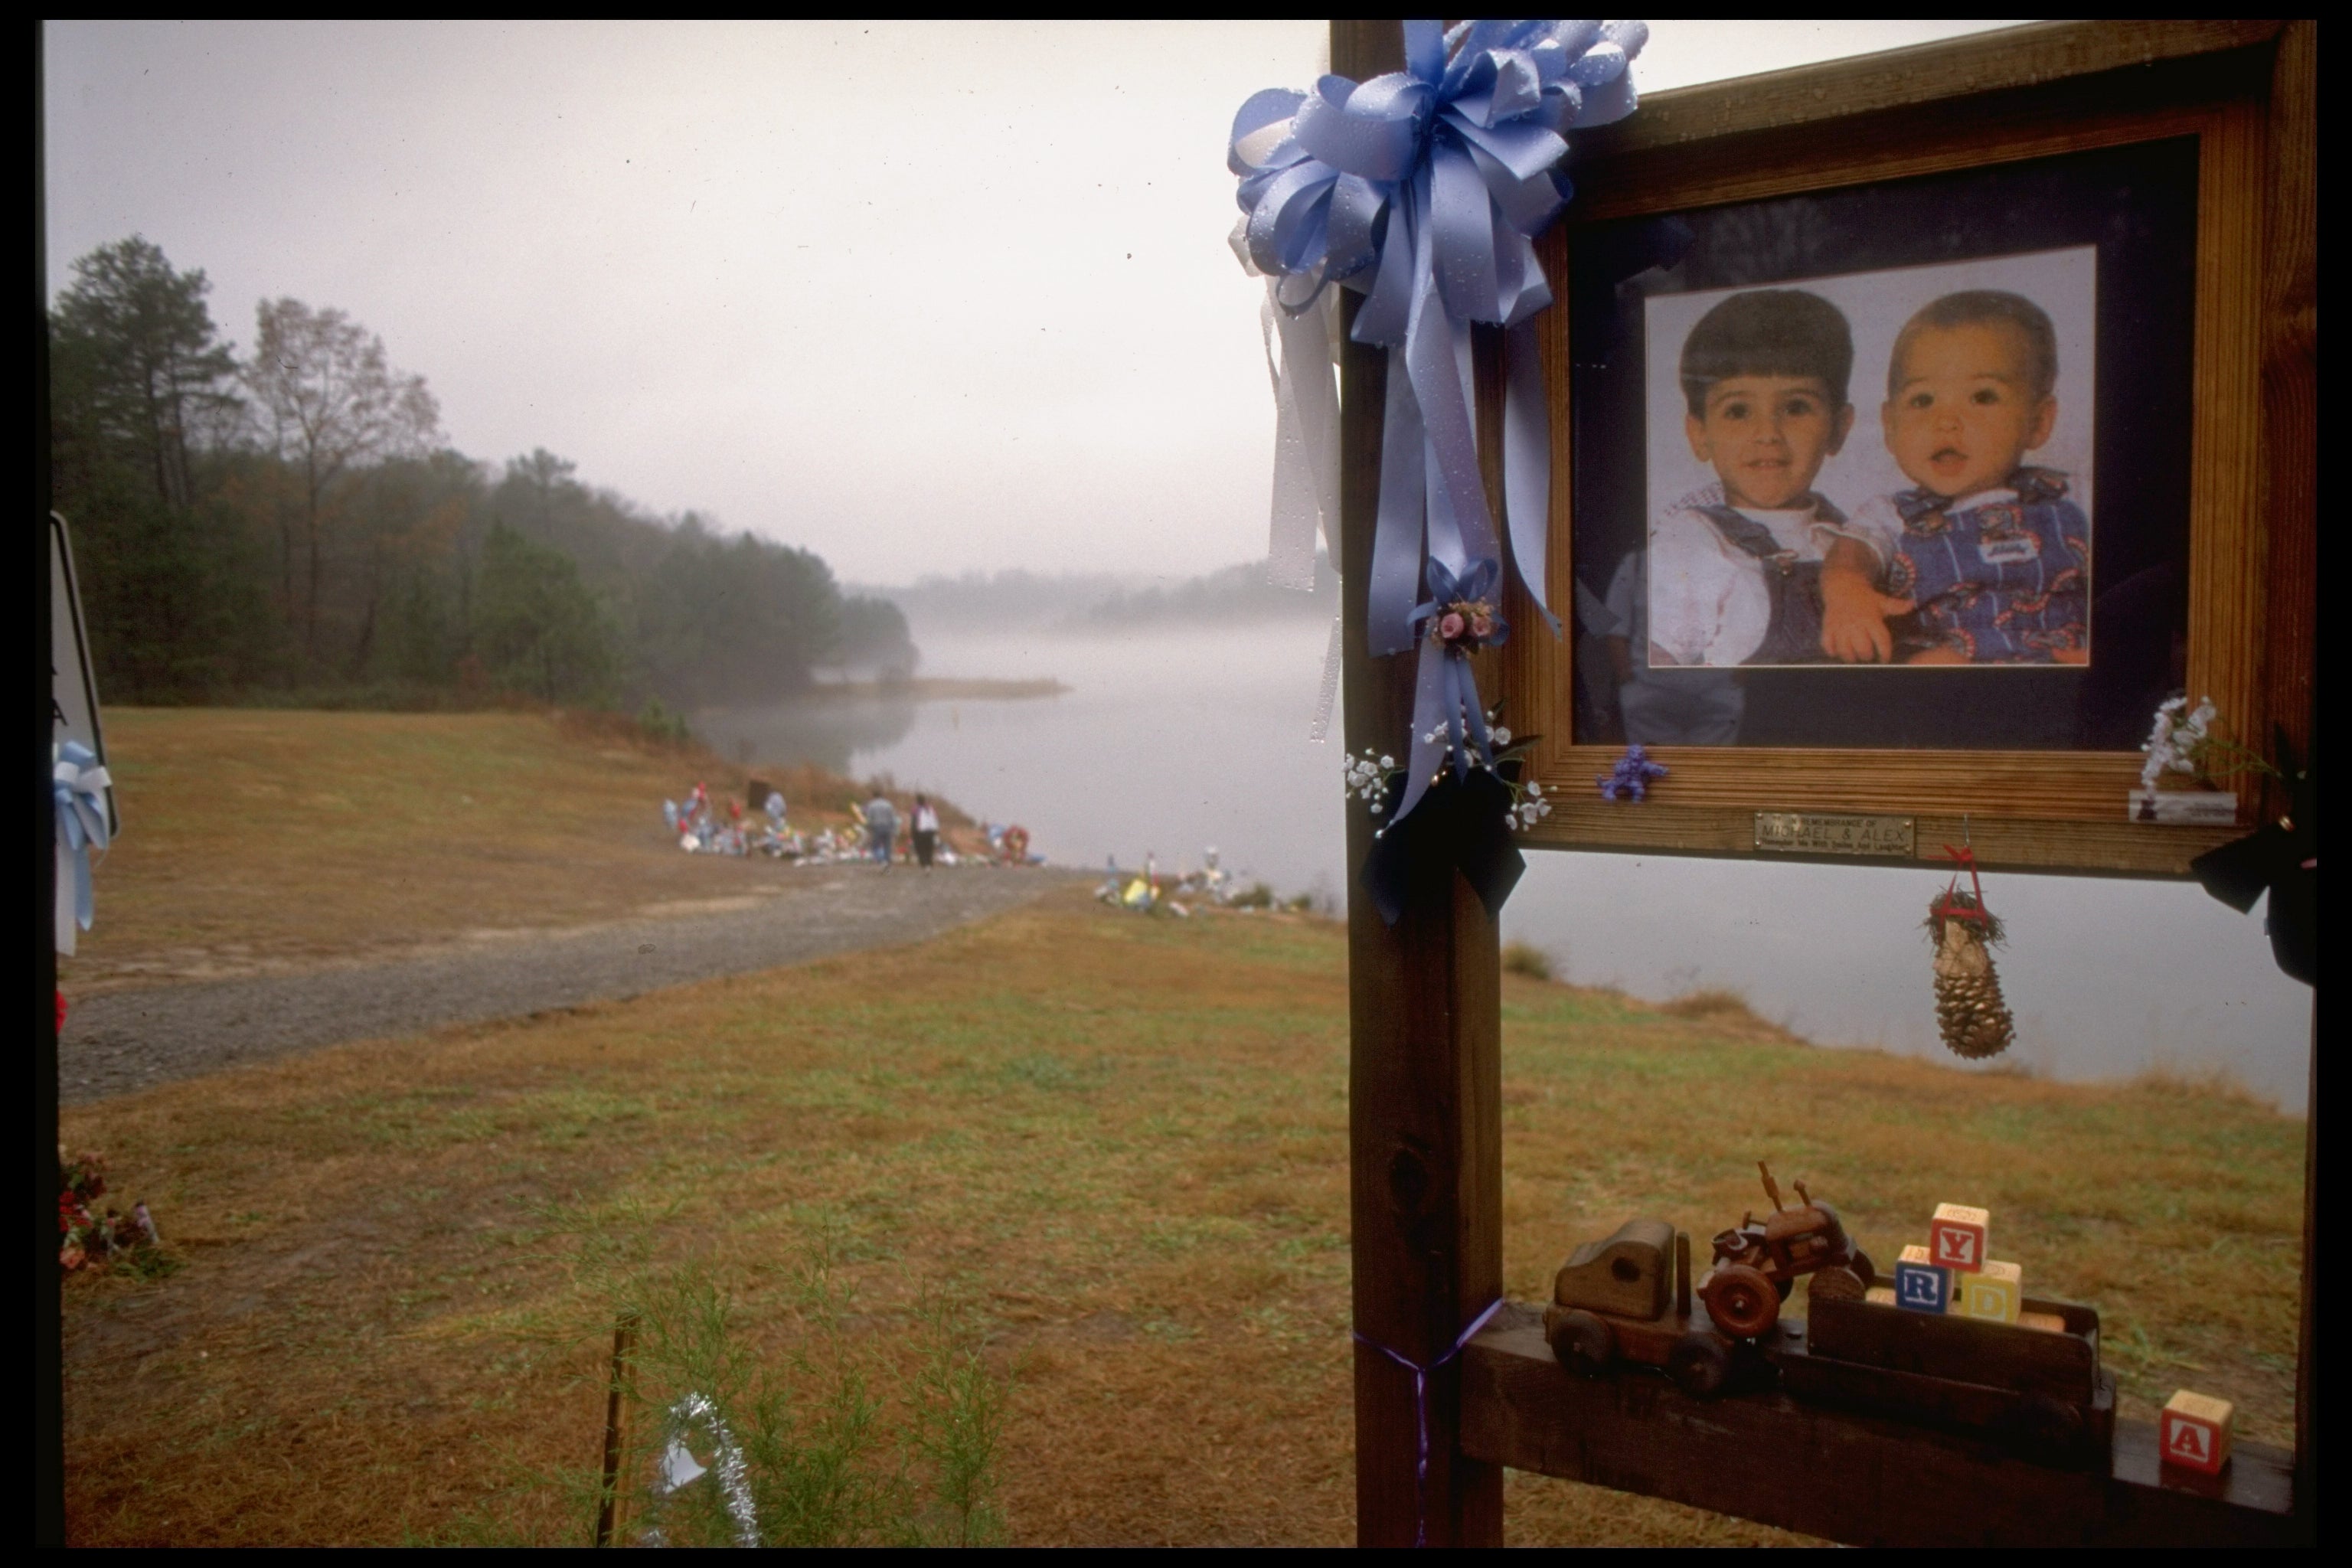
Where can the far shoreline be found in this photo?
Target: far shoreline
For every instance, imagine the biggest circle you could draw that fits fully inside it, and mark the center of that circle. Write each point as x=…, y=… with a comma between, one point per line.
x=934, y=688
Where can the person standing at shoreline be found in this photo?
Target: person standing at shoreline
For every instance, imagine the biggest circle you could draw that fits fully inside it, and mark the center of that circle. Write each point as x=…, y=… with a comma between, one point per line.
x=926, y=825
x=881, y=828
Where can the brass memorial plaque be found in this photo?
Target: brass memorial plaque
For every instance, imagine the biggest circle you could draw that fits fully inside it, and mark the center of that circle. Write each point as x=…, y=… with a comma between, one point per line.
x=1822, y=833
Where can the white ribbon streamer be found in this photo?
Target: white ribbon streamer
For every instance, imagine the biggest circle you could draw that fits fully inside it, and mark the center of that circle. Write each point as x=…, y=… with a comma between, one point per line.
x=1306, y=439
x=1306, y=451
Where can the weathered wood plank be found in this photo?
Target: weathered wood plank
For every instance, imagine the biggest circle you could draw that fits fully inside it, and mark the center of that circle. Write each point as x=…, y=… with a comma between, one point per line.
x=1581, y=820
x=1424, y=1067
x=2290, y=370
x=2011, y=57
x=1865, y=1479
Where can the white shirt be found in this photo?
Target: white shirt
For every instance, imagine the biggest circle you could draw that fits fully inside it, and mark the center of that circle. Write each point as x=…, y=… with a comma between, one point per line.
x=1709, y=601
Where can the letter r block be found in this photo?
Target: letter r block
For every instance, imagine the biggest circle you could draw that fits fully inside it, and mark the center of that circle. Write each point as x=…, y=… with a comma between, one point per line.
x=1995, y=1292
x=1919, y=1284
x=2194, y=1432
x=1956, y=1238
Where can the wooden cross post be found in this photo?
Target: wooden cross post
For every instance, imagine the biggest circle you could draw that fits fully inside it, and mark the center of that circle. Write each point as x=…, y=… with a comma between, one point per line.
x=1424, y=1104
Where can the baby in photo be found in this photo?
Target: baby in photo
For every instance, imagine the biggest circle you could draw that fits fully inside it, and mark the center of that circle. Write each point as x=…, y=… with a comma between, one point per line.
x=1989, y=549
x=1739, y=569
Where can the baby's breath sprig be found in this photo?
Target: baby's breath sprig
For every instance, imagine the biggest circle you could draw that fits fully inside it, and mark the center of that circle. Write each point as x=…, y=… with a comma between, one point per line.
x=1367, y=779
x=1528, y=806
x=2182, y=741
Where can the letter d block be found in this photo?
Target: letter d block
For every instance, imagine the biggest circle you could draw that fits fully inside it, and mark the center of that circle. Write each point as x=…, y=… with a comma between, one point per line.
x=1919, y=1284
x=2194, y=1432
x=1995, y=1292
x=1956, y=1238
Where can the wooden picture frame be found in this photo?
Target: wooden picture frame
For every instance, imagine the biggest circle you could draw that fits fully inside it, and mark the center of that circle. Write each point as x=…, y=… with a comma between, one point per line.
x=1453, y=1384
x=1980, y=103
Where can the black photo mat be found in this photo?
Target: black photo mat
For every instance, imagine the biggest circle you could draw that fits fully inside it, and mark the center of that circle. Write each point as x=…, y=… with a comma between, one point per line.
x=2137, y=205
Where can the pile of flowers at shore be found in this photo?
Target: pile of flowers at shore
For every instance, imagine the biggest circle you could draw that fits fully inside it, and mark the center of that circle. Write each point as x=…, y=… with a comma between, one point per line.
x=1145, y=892
x=88, y=1237
x=705, y=825
x=701, y=830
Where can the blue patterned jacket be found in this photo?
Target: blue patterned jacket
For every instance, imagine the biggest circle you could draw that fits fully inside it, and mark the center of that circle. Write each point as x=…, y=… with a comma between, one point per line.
x=2007, y=582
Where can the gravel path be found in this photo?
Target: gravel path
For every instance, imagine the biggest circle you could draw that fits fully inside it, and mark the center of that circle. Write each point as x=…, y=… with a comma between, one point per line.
x=125, y=1040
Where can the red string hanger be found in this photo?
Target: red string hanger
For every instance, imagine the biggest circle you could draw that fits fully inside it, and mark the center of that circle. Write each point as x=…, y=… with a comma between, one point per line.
x=1957, y=905
x=1970, y=1012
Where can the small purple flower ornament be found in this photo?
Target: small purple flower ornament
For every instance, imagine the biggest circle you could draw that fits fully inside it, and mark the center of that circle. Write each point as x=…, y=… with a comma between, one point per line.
x=1630, y=779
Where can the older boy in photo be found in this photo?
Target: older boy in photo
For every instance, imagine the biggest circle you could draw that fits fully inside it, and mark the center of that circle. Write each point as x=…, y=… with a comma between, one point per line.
x=1757, y=568
x=1989, y=549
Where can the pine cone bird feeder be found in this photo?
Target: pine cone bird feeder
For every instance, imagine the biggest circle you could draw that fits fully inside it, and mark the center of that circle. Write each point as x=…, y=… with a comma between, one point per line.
x=1970, y=1012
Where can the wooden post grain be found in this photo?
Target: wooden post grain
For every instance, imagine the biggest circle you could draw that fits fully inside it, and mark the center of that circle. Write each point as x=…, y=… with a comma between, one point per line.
x=1424, y=1100
x=611, y=1509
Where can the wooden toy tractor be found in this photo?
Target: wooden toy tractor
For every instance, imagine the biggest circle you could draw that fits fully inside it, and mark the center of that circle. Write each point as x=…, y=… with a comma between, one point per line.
x=1628, y=1297
x=1758, y=1265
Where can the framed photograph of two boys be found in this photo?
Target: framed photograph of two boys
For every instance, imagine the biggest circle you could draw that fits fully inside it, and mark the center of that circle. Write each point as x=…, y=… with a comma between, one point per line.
x=1919, y=423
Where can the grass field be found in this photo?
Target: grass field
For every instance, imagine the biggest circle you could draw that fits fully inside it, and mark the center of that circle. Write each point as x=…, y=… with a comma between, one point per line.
x=1115, y=1145
x=265, y=839
x=1111, y=1145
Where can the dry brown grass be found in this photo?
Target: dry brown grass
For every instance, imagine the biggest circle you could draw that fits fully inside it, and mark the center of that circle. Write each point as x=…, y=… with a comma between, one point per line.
x=1714, y=1005
x=268, y=838
x=1121, y=1143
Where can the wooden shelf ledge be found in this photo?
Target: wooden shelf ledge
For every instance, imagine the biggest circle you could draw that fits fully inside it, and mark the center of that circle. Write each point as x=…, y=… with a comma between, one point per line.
x=1845, y=1477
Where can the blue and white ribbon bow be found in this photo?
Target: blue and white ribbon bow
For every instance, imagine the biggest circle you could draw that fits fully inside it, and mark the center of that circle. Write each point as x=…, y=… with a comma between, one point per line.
x=1423, y=190
x=79, y=784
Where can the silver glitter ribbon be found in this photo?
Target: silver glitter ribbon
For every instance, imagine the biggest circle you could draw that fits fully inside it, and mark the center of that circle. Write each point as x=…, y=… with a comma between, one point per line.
x=679, y=1468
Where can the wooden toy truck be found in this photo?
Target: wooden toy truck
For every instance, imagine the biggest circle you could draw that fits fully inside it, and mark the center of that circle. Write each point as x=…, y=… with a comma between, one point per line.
x=1629, y=1298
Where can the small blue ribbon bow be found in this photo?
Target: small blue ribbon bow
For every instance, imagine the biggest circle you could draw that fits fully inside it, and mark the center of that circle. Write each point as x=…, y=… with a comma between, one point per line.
x=79, y=784
x=1449, y=723
x=1423, y=189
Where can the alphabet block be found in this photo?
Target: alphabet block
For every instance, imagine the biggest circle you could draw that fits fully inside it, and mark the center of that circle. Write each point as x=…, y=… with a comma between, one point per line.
x=1919, y=1284
x=2194, y=1432
x=1880, y=1295
x=1996, y=1292
x=1956, y=1238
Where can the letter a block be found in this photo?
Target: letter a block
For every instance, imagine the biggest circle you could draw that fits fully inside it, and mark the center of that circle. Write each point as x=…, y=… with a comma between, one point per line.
x=1956, y=1238
x=1919, y=1284
x=1995, y=1292
x=2194, y=1432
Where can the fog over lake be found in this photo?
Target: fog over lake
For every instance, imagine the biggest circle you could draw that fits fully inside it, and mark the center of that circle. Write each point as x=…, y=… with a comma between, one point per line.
x=1176, y=738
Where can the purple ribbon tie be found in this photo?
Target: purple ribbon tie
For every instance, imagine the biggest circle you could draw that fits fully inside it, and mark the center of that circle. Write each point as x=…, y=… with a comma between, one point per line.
x=1421, y=1409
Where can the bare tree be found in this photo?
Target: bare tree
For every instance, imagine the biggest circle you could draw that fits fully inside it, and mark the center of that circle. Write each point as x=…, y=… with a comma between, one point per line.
x=330, y=402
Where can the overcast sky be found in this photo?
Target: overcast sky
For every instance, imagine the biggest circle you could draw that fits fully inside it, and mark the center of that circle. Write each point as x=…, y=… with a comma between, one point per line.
x=920, y=298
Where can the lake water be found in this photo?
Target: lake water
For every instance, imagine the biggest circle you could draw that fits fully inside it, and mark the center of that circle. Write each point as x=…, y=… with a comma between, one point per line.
x=1171, y=742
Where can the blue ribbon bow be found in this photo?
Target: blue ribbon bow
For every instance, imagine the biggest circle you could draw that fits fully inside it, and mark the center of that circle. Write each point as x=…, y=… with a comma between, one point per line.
x=1423, y=190
x=79, y=784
